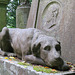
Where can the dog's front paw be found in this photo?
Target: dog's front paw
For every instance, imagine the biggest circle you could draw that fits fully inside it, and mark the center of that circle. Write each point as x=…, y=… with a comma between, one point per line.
x=30, y=58
x=34, y=60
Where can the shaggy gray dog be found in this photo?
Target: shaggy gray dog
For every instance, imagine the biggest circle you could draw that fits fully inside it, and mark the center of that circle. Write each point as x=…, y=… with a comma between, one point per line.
x=33, y=46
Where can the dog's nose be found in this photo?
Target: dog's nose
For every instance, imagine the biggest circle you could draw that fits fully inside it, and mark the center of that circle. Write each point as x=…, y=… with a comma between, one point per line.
x=59, y=61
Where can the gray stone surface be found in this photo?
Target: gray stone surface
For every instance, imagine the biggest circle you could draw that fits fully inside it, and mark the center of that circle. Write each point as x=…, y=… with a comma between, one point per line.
x=22, y=13
x=57, y=17
x=12, y=68
x=67, y=30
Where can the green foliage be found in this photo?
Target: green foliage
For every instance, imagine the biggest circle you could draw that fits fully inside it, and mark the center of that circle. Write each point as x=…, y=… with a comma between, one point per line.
x=30, y=1
x=11, y=13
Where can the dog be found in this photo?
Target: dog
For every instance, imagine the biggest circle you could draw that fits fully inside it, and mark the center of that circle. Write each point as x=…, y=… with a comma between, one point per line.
x=33, y=46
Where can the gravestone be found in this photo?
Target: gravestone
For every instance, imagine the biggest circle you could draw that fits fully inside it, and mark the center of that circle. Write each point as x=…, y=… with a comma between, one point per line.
x=3, y=4
x=22, y=13
x=49, y=16
x=57, y=18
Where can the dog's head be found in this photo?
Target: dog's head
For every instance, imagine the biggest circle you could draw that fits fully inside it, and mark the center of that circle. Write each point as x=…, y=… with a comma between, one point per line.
x=49, y=50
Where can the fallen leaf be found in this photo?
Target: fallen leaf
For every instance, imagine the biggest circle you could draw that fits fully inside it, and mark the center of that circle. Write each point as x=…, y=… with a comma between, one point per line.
x=6, y=58
x=10, y=60
x=12, y=57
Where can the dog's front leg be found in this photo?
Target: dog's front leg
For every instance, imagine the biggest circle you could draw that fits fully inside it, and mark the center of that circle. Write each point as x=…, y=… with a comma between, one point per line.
x=34, y=60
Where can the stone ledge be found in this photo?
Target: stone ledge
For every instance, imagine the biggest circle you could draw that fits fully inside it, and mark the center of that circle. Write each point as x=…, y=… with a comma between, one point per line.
x=12, y=68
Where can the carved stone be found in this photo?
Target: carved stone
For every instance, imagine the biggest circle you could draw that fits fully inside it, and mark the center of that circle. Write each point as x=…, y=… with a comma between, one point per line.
x=33, y=46
x=49, y=16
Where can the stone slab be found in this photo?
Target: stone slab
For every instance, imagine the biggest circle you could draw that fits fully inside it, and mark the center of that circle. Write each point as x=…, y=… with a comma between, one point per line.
x=67, y=30
x=12, y=68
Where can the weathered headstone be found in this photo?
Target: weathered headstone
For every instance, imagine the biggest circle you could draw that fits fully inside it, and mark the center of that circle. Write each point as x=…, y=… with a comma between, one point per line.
x=49, y=16
x=3, y=4
x=57, y=17
x=22, y=13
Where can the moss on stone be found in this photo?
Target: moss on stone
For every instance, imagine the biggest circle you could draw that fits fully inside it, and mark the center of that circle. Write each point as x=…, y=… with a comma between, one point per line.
x=43, y=69
x=25, y=64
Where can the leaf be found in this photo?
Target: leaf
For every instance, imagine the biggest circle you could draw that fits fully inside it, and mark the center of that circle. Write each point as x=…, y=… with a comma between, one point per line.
x=6, y=58
x=12, y=57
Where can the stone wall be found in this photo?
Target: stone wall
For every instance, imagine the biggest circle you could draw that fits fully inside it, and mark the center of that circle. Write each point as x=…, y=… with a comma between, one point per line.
x=57, y=18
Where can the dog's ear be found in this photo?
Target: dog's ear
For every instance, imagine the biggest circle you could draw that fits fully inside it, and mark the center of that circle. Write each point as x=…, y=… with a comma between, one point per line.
x=36, y=48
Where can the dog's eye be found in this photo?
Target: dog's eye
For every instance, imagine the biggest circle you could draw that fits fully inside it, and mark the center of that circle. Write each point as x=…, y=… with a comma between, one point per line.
x=58, y=47
x=47, y=48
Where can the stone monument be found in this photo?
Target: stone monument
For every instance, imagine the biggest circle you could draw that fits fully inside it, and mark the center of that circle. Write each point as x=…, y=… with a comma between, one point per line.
x=3, y=4
x=22, y=13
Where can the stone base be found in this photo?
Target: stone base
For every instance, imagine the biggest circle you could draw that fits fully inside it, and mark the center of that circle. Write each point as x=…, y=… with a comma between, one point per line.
x=8, y=67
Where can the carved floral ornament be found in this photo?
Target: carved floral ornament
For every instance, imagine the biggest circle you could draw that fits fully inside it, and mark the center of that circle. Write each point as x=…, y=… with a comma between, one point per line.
x=51, y=15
